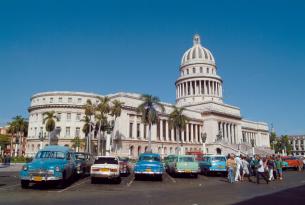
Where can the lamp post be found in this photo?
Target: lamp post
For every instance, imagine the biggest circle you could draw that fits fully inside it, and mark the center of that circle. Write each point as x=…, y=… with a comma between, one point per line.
x=203, y=138
x=109, y=129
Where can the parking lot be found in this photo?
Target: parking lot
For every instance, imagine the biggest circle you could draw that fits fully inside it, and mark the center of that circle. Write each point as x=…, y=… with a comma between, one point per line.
x=178, y=190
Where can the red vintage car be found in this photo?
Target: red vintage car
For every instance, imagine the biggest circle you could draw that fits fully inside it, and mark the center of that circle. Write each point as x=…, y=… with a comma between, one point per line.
x=198, y=154
x=293, y=162
x=124, y=165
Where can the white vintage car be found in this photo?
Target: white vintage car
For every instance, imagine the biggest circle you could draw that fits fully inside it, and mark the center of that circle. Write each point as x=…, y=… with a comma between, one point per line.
x=105, y=167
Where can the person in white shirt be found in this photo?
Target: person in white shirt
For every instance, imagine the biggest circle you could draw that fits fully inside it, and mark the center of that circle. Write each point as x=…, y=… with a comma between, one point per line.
x=238, y=167
x=260, y=170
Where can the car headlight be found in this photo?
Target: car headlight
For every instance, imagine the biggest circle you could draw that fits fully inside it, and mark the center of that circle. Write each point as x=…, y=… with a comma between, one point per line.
x=57, y=168
x=24, y=167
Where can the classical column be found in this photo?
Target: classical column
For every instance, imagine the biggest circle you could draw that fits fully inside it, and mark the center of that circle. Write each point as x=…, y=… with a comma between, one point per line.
x=200, y=88
x=166, y=130
x=187, y=132
x=293, y=143
x=196, y=131
x=204, y=87
x=161, y=130
x=235, y=141
x=223, y=131
x=192, y=133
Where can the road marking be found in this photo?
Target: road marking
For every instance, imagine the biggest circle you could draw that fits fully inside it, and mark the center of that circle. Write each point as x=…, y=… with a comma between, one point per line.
x=130, y=183
x=171, y=178
x=75, y=185
x=4, y=188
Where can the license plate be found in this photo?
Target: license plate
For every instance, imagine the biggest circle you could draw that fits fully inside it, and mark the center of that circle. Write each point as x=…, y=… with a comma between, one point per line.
x=37, y=179
x=148, y=170
x=188, y=171
x=221, y=167
x=104, y=170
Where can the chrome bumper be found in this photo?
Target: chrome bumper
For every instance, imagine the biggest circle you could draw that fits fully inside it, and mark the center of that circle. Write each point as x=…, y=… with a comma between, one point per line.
x=105, y=175
x=148, y=173
x=43, y=178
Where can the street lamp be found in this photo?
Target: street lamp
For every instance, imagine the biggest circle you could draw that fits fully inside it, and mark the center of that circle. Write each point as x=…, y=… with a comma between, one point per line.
x=203, y=138
x=252, y=144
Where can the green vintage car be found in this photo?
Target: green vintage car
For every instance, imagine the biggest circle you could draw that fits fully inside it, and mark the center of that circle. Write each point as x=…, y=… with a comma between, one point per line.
x=182, y=164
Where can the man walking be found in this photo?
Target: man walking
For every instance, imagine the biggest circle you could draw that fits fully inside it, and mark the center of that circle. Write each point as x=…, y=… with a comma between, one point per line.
x=260, y=170
x=238, y=167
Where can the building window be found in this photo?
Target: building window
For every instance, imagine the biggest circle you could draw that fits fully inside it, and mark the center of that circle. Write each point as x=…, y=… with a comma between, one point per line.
x=68, y=116
x=187, y=71
x=138, y=130
x=69, y=100
x=59, y=116
x=67, y=131
x=170, y=134
x=35, y=133
x=51, y=100
x=158, y=130
x=79, y=100
x=208, y=70
x=194, y=70
x=164, y=130
x=130, y=129
x=145, y=127
x=60, y=99
x=77, y=132
x=43, y=100
x=201, y=70
x=78, y=116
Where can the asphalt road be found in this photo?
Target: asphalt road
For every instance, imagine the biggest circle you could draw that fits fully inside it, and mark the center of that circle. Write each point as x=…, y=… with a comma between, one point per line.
x=181, y=190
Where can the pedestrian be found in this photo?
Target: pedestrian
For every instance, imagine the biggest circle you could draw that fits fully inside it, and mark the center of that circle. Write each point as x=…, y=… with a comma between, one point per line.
x=271, y=166
x=279, y=167
x=238, y=168
x=303, y=163
x=260, y=170
x=245, y=169
x=231, y=166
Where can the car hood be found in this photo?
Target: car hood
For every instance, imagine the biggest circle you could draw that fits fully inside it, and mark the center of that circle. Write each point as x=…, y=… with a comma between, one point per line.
x=45, y=163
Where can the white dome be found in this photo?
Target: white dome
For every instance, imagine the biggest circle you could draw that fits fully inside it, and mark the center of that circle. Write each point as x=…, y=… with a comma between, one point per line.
x=197, y=54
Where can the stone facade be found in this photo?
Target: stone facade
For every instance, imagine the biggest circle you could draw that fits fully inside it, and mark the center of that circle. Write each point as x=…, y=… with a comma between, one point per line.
x=298, y=144
x=198, y=90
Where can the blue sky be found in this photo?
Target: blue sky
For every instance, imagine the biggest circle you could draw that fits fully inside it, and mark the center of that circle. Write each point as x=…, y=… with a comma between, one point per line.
x=136, y=46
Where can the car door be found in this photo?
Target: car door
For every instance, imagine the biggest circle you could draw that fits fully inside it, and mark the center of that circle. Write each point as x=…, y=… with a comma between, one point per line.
x=70, y=164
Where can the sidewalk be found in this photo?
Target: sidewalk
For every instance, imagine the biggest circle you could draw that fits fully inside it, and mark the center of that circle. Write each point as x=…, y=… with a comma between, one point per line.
x=13, y=167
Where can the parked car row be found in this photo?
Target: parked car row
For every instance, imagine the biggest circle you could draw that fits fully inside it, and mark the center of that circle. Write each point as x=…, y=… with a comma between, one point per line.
x=60, y=164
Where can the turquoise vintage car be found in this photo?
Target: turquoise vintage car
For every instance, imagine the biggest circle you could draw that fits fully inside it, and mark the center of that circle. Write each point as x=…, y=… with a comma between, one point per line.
x=182, y=164
x=213, y=163
x=149, y=164
x=53, y=163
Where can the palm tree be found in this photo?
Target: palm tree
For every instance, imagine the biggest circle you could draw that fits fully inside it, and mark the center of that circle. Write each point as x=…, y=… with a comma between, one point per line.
x=87, y=127
x=77, y=143
x=49, y=120
x=18, y=128
x=116, y=111
x=89, y=112
x=178, y=120
x=101, y=121
x=149, y=113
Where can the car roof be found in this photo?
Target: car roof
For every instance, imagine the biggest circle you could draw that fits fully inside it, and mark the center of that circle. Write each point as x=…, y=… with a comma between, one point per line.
x=107, y=157
x=150, y=154
x=214, y=155
x=56, y=148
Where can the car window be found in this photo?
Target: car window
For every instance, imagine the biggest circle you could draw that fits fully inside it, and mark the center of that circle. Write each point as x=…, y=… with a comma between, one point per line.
x=218, y=159
x=106, y=160
x=149, y=158
x=50, y=155
x=186, y=159
x=80, y=156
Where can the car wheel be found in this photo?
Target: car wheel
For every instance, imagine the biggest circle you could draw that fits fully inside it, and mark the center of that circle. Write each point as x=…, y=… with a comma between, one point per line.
x=25, y=184
x=160, y=178
x=195, y=176
x=63, y=181
x=118, y=180
x=93, y=180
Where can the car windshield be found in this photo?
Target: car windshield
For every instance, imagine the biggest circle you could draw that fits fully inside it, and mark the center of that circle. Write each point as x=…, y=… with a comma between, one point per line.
x=106, y=160
x=80, y=156
x=149, y=158
x=50, y=155
x=217, y=159
x=186, y=159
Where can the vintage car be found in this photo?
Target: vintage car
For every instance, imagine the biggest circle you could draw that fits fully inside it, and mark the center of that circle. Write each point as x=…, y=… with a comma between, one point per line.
x=213, y=164
x=52, y=163
x=84, y=162
x=124, y=166
x=105, y=167
x=149, y=164
x=292, y=162
x=182, y=164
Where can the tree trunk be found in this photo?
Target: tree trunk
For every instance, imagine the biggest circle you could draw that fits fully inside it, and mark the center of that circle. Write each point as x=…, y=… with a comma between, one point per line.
x=99, y=141
x=89, y=137
x=149, y=139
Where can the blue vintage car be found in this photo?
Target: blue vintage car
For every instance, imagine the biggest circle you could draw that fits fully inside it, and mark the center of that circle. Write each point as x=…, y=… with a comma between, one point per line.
x=149, y=164
x=53, y=163
x=213, y=163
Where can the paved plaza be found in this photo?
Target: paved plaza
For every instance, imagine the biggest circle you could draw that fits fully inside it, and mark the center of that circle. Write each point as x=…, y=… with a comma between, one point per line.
x=181, y=190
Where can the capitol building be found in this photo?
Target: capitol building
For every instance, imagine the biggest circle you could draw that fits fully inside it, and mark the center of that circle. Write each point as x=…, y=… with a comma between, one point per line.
x=199, y=89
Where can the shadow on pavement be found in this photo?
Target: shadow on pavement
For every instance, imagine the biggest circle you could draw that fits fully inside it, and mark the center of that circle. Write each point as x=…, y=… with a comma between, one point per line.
x=289, y=196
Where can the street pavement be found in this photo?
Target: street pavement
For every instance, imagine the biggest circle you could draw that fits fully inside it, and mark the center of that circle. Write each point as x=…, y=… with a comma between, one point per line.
x=181, y=190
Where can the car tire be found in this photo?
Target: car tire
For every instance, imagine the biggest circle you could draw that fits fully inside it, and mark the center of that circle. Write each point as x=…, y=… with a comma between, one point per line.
x=160, y=178
x=93, y=180
x=118, y=180
x=25, y=184
x=195, y=176
x=63, y=181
